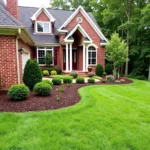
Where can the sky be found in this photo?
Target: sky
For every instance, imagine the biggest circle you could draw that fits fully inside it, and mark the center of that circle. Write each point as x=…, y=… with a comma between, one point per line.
x=34, y=3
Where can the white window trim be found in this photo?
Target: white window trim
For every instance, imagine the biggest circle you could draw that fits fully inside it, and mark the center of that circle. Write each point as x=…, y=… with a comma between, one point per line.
x=37, y=49
x=95, y=46
x=50, y=29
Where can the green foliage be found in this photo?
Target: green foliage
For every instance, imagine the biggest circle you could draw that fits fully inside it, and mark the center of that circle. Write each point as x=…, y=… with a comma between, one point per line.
x=109, y=68
x=67, y=80
x=45, y=73
x=110, y=78
x=91, y=80
x=99, y=70
x=62, y=89
x=42, y=89
x=48, y=82
x=91, y=74
x=58, y=70
x=48, y=59
x=74, y=74
x=32, y=73
x=80, y=79
x=61, y=76
x=53, y=72
x=56, y=81
x=18, y=92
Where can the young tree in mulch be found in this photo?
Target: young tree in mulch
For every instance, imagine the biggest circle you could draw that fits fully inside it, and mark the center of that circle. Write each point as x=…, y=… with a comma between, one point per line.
x=48, y=59
x=116, y=52
x=32, y=73
x=99, y=70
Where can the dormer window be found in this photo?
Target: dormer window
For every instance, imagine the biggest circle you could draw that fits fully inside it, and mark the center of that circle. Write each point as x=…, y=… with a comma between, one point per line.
x=43, y=27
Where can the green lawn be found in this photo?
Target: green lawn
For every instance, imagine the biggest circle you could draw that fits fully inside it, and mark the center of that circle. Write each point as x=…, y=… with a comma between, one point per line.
x=109, y=117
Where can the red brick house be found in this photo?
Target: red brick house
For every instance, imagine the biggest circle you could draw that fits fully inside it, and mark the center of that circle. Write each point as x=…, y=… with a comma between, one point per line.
x=72, y=37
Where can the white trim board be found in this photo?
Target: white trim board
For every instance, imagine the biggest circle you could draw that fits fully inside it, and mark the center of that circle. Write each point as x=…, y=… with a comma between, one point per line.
x=80, y=9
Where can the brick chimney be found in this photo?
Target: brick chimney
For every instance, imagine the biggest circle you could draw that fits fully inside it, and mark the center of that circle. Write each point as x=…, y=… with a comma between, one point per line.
x=12, y=8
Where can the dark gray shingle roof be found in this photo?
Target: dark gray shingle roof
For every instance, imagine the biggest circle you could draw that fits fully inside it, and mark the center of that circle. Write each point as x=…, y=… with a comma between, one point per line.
x=60, y=15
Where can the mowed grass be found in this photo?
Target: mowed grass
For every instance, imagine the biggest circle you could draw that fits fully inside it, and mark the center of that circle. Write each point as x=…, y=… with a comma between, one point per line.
x=109, y=117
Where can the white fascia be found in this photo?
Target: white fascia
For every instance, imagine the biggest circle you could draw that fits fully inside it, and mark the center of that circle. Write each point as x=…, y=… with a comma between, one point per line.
x=37, y=13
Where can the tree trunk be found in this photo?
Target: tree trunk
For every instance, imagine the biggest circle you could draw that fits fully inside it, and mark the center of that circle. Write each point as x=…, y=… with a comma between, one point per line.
x=149, y=73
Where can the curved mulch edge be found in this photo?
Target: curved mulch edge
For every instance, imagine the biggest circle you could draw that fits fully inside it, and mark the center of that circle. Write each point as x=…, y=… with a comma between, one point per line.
x=56, y=100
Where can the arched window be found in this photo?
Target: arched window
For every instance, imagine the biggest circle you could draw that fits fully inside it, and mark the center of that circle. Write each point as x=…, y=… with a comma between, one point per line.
x=92, y=55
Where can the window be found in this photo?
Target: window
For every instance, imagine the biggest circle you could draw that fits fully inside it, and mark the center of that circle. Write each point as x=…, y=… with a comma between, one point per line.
x=41, y=53
x=92, y=55
x=79, y=20
x=43, y=27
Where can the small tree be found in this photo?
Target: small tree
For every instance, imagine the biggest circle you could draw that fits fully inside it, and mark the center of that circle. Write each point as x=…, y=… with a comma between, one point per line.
x=116, y=52
x=99, y=70
x=48, y=59
x=32, y=73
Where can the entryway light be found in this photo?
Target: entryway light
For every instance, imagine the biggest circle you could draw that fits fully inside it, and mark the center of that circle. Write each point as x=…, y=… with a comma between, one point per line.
x=20, y=50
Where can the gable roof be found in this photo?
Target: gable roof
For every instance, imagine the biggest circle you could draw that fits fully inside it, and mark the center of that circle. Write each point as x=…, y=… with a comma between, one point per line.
x=6, y=19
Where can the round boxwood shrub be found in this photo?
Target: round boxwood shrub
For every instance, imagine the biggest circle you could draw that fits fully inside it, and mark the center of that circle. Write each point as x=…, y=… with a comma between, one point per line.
x=91, y=80
x=32, y=73
x=56, y=81
x=80, y=80
x=91, y=74
x=45, y=73
x=48, y=82
x=109, y=68
x=53, y=72
x=67, y=80
x=99, y=70
x=74, y=74
x=42, y=89
x=18, y=92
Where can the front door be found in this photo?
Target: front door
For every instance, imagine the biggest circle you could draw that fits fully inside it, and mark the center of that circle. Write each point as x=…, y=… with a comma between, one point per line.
x=74, y=59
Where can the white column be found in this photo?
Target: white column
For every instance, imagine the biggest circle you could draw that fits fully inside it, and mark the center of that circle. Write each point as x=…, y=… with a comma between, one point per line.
x=87, y=63
x=84, y=66
x=66, y=57
x=70, y=57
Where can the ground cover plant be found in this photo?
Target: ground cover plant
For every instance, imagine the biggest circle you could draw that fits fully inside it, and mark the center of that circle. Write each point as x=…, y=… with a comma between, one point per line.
x=108, y=117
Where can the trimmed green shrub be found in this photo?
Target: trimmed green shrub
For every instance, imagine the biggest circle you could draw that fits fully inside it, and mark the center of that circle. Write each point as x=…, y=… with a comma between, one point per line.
x=53, y=72
x=91, y=74
x=74, y=74
x=48, y=82
x=32, y=73
x=45, y=73
x=80, y=80
x=58, y=70
x=91, y=80
x=104, y=74
x=99, y=70
x=67, y=80
x=56, y=81
x=18, y=92
x=42, y=89
x=110, y=78
x=109, y=69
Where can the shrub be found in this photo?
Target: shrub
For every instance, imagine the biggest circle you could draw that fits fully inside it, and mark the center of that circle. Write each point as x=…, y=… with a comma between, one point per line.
x=45, y=73
x=109, y=68
x=53, y=72
x=104, y=74
x=48, y=82
x=91, y=80
x=18, y=92
x=58, y=70
x=80, y=80
x=99, y=70
x=67, y=80
x=32, y=73
x=42, y=89
x=110, y=78
x=74, y=74
x=56, y=81
x=61, y=89
x=91, y=74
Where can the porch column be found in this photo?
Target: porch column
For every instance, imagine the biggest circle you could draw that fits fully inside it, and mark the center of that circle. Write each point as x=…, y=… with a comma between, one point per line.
x=84, y=67
x=66, y=57
x=70, y=57
x=87, y=63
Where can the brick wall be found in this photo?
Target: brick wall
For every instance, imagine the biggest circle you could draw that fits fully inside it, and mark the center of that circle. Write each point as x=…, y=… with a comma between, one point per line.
x=8, y=64
x=12, y=7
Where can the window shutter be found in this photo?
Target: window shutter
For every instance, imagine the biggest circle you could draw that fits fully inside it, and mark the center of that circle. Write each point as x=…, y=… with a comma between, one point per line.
x=55, y=56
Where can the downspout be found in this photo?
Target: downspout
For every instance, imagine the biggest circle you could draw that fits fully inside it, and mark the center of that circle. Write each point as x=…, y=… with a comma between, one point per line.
x=17, y=56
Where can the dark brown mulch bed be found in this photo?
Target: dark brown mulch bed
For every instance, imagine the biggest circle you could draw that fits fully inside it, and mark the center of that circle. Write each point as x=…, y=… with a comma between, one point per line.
x=36, y=103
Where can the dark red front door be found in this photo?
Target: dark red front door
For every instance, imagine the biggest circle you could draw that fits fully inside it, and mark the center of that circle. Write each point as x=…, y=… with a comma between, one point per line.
x=64, y=59
x=74, y=59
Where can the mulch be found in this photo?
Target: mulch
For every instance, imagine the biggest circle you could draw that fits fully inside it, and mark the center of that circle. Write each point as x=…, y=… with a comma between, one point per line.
x=56, y=100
